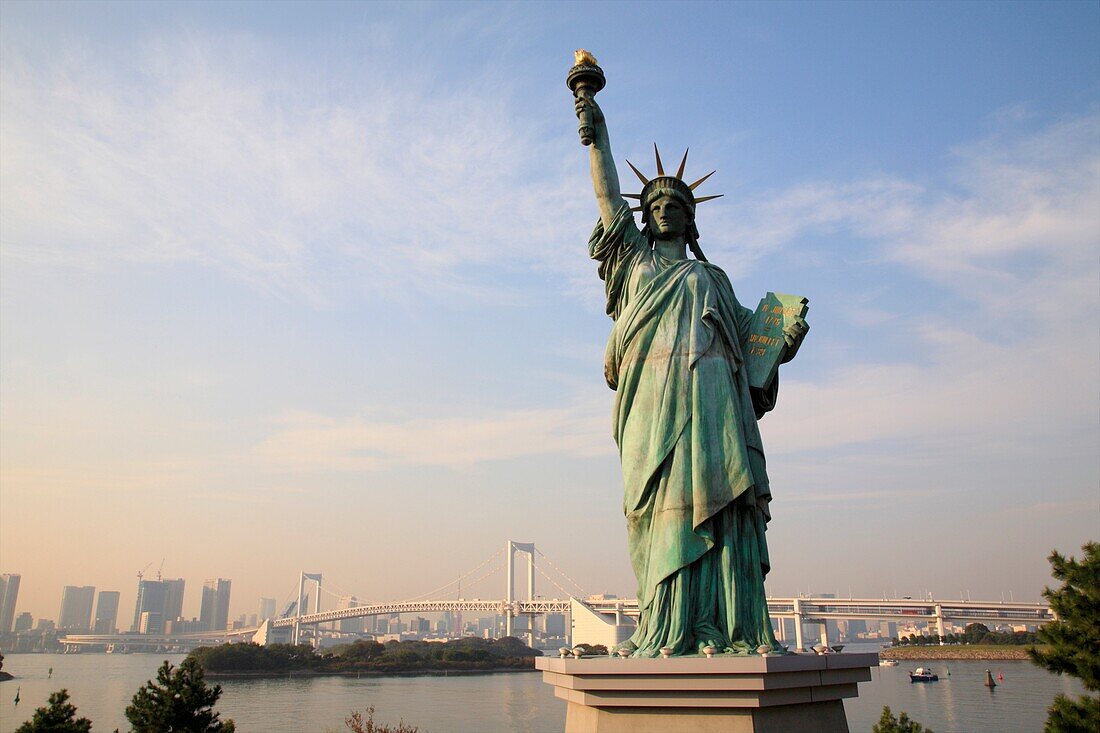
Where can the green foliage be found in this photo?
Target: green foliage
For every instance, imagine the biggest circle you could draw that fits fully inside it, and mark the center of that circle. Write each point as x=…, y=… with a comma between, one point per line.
x=594, y=649
x=356, y=724
x=977, y=635
x=468, y=653
x=254, y=658
x=1067, y=715
x=889, y=724
x=1074, y=639
x=362, y=650
x=179, y=701
x=59, y=716
x=975, y=630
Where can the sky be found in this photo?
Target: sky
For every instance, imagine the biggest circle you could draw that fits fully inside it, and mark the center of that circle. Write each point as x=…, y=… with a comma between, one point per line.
x=304, y=287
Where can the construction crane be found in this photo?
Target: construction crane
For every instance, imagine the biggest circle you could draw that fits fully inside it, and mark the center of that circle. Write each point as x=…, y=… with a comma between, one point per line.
x=160, y=568
x=141, y=573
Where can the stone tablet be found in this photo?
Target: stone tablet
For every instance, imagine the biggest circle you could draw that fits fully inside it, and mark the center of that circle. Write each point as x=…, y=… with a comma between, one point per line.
x=766, y=347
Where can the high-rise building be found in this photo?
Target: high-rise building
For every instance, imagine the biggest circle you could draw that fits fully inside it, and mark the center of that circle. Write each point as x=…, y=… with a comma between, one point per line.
x=150, y=599
x=9, y=591
x=150, y=622
x=350, y=625
x=106, y=612
x=76, y=608
x=173, y=599
x=214, y=610
x=420, y=626
x=267, y=608
x=555, y=624
x=23, y=622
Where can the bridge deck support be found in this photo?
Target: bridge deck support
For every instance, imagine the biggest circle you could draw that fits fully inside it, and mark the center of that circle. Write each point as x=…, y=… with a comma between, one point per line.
x=510, y=550
x=798, y=626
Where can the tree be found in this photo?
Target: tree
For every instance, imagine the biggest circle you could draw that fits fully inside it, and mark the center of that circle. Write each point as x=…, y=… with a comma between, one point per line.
x=1073, y=639
x=179, y=701
x=889, y=724
x=358, y=724
x=59, y=716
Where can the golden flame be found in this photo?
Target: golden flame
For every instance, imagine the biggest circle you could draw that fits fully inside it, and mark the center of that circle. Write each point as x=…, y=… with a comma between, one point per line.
x=584, y=58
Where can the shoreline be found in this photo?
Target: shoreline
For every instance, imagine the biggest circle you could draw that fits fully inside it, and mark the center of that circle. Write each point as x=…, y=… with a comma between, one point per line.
x=271, y=674
x=961, y=653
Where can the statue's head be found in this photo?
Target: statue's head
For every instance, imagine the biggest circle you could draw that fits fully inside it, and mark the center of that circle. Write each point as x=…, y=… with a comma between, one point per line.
x=668, y=209
x=668, y=205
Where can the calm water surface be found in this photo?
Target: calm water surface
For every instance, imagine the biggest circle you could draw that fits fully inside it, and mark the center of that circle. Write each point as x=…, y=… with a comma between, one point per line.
x=101, y=685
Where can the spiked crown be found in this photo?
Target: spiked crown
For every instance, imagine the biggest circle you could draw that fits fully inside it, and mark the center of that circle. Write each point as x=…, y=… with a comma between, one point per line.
x=662, y=183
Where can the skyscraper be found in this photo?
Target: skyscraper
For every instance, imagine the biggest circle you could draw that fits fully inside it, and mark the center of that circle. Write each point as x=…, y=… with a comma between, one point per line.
x=214, y=611
x=106, y=612
x=150, y=599
x=23, y=622
x=76, y=608
x=267, y=608
x=350, y=625
x=9, y=591
x=173, y=599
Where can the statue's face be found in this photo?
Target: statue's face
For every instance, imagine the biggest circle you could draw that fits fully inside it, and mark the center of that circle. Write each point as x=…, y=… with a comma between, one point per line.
x=668, y=218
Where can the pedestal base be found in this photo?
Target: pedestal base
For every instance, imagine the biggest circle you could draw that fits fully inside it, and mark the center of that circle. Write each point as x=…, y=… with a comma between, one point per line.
x=729, y=694
x=821, y=716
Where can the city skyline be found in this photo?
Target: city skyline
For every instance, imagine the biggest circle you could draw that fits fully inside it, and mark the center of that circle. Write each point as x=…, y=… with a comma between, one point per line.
x=309, y=290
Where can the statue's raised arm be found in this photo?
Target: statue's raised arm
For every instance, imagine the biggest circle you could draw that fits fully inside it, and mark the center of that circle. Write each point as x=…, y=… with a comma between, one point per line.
x=585, y=79
x=605, y=178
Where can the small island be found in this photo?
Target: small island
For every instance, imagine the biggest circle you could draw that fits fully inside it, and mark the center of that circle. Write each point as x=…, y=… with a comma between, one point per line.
x=976, y=642
x=469, y=655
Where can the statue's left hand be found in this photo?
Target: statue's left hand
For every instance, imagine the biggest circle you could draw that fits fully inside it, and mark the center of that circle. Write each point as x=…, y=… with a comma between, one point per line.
x=794, y=334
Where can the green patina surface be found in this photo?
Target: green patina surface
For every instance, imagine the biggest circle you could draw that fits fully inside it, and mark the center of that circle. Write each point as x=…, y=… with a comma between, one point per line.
x=693, y=371
x=766, y=346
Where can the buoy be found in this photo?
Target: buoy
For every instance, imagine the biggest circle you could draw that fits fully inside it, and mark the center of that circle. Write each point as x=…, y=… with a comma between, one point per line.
x=989, y=680
x=1000, y=677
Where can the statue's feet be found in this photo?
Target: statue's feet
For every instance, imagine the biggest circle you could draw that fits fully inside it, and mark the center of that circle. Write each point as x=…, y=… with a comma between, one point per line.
x=624, y=650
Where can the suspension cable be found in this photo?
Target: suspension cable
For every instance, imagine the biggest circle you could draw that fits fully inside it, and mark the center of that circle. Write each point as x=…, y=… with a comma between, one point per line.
x=483, y=577
x=456, y=580
x=554, y=583
x=562, y=572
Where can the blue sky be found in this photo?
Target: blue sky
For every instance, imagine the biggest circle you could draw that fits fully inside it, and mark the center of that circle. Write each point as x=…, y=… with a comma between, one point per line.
x=304, y=287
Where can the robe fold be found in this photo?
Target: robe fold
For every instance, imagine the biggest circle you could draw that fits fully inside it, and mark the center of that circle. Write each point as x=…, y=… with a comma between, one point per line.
x=696, y=491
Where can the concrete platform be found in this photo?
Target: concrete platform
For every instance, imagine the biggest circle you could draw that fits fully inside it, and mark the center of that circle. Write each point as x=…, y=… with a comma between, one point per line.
x=730, y=694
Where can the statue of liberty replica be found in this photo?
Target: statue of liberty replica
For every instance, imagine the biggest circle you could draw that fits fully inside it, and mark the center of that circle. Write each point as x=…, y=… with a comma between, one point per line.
x=693, y=371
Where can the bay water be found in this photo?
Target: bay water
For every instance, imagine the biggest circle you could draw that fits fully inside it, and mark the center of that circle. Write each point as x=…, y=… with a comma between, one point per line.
x=101, y=686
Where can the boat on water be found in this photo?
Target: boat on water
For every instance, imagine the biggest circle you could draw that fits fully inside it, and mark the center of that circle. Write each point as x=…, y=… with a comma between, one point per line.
x=923, y=674
x=887, y=662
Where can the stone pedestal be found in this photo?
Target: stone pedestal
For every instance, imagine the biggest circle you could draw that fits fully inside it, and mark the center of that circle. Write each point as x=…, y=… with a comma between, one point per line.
x=797, y=692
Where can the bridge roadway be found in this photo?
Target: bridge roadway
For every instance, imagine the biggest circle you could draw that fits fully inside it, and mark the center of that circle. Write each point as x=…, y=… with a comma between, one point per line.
x=802, y=610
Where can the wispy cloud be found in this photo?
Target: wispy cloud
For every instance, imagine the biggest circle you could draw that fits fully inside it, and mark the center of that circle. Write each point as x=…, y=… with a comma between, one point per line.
x=1016, y=238
x=213, y=153
x=312, y=442
x=216, y=153
x=1015, y=373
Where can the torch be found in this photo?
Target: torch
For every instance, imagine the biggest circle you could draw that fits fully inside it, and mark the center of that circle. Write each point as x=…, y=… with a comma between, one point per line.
x=584, y=80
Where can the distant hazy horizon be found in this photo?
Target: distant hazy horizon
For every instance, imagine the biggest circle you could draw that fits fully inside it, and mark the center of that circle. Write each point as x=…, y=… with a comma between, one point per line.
x=290, y=287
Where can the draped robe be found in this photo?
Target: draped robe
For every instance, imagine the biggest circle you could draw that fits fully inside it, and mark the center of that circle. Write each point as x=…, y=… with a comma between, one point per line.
x=696, y=491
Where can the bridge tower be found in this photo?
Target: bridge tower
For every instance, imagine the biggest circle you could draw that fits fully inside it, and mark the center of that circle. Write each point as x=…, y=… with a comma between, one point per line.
x=316, y=578
x=510, y=550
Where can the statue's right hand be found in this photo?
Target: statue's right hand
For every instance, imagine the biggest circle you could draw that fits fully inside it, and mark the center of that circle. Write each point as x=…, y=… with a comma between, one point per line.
x=588, y=103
